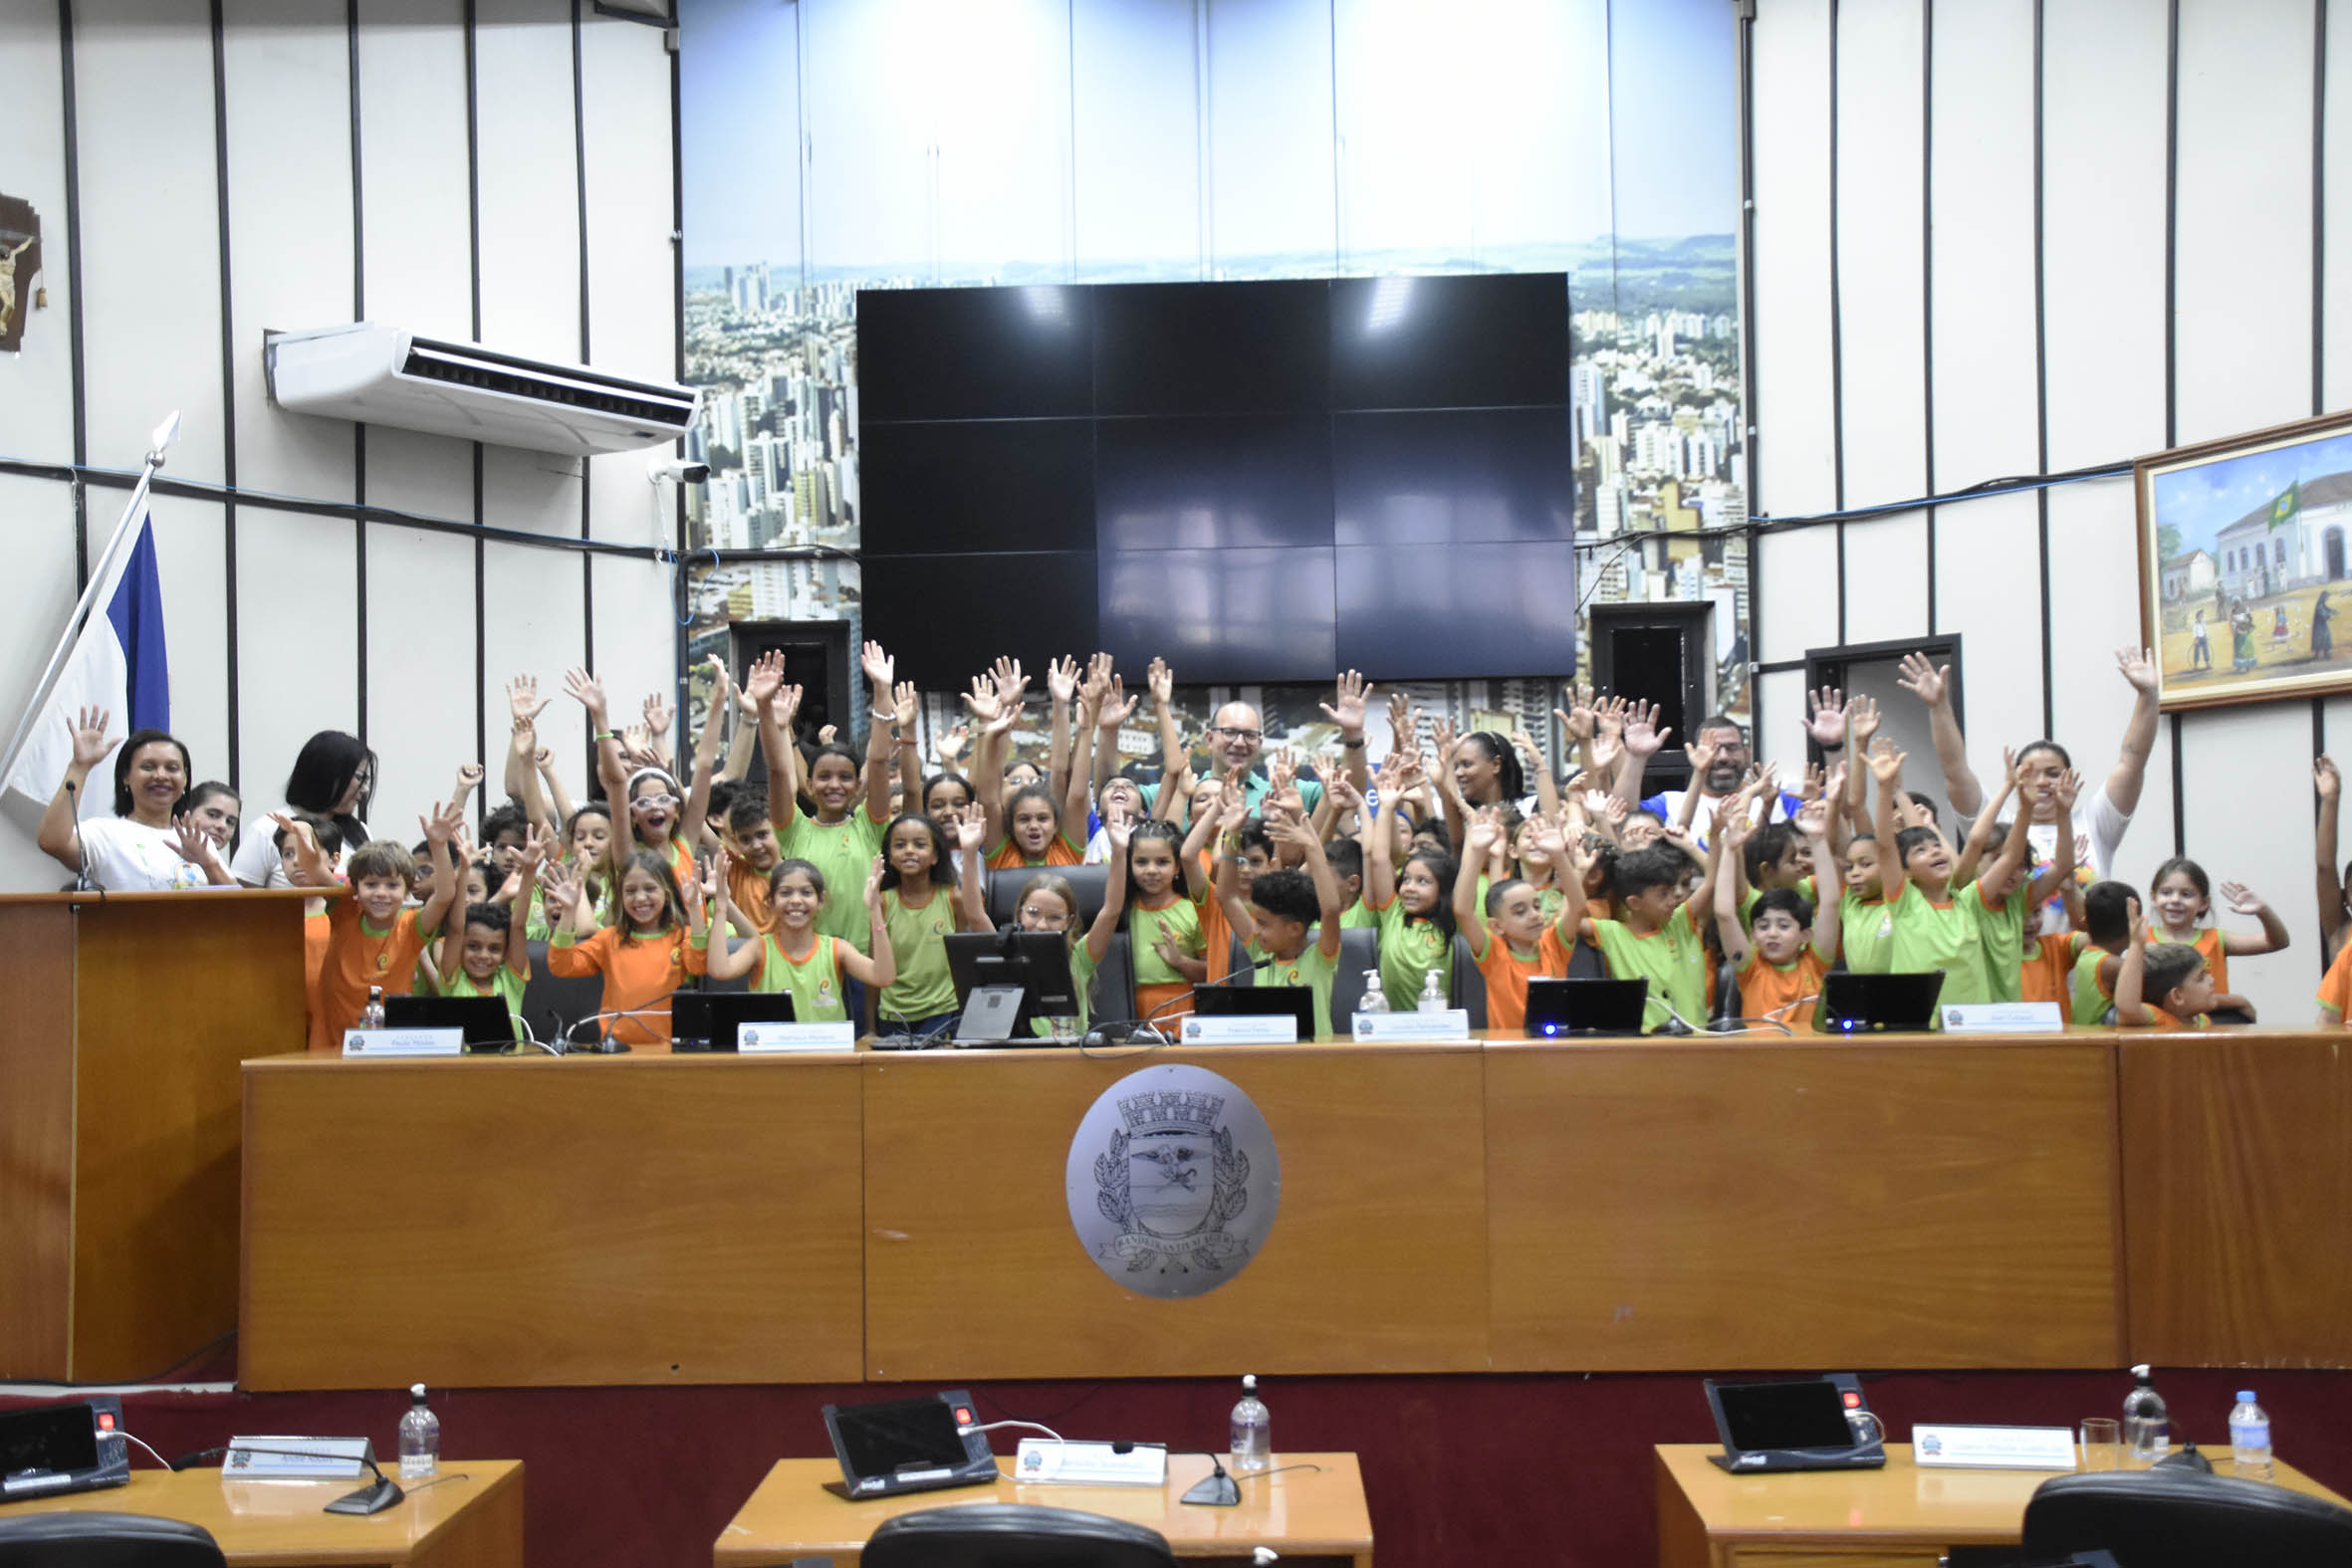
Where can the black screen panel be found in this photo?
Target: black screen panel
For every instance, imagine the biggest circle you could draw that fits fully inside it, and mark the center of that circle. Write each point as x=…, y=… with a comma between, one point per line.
x=1471, y=476
x=1221, y=615
x=1211, y=348
x=945, y=616
x=974, y=353
x=1457, y=610
x=1201, y=483
x=978, y=485
x=1450, y=343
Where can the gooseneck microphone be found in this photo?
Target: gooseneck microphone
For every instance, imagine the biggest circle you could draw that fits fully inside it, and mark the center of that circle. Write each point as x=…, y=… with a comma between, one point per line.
x=367, y=1499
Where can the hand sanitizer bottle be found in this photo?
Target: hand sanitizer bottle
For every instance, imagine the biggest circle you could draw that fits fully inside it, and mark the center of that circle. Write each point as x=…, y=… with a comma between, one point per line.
x=1374, y=999
x=1433, y=993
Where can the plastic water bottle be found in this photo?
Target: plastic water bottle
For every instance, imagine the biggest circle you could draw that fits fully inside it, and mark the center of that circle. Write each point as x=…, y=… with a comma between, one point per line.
x=2250, y=1438
x=2147, y=1425
x=1433, y=993
x=372, y=1016
x=1374, y=999
x=1252, y=1432
x=420, y=1438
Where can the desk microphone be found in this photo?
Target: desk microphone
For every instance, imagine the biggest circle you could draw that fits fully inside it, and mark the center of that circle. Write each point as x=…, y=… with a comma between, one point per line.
x=606, y=1045
x=1217, y=1489
x=80, y=848
x=367, y=1499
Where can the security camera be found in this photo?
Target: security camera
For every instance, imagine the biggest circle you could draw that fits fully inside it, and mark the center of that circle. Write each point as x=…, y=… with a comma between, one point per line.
x=676, y=471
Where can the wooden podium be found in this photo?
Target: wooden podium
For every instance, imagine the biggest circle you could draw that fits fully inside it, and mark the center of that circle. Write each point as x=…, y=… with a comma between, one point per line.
x=119, y=1113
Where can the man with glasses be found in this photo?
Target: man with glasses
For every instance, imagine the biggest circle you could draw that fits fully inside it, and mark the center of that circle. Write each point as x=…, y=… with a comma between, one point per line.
x=1236, y=737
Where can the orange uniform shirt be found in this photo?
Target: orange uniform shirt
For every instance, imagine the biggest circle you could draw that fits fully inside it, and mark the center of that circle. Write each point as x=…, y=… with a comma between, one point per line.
x=1765, y=987
x=1507, y=975
x=358, y=958
x=2213, y=948
x=1006, y=856
x=2043, y=978
x=315, y=933
x=750, y=891
x=639, y=974
x=2161, y=1019
x=2335, y=991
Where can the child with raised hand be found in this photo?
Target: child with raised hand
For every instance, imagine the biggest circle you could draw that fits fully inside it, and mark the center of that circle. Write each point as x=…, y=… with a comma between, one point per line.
x=2110, y=910
x=644, y=956
x=2008, y=910
x=1413, y=905
x=587, y=854
x=480, y=956
x=2335, y=914
x=1932, y=928
x=1163, y=916
x=371, y=941
x=917, y=888
x=841, y=834
x=2184, y=897
x=2161, y=984
x=1510, y=939
x=794, y=955
x=1281, y=907
x=1790, y=940
x=1048, y=903
x=325, y=837
x=1656, y=935
x=657, y=815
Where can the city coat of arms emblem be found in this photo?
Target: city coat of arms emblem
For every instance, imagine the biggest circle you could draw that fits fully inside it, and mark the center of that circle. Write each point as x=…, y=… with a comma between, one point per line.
x=1173, y=1181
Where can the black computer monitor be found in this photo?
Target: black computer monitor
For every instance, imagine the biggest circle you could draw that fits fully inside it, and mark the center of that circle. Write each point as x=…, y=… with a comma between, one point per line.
x=1227, y=1002
x=1037, y=962
x=486, y=1023
x=1586, y=1007
x=708, y=1019
x=1855, y=1004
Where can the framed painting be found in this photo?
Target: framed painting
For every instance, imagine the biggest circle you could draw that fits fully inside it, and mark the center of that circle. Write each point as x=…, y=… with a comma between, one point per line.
x=2245, y=565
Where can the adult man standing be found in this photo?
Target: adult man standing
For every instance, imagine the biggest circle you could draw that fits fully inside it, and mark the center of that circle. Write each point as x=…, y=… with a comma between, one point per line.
x=1721, y=759
x=1237, y=738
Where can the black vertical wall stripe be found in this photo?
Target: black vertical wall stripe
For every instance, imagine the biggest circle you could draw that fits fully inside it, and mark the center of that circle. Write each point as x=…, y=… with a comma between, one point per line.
x=1837, y=393
x=2180, y=805
x=1927, y=273
x=228, y=374
x=2172, y=223
x=2042, y=385
x=358, y=314
x=68, y=113
x=2319, y=207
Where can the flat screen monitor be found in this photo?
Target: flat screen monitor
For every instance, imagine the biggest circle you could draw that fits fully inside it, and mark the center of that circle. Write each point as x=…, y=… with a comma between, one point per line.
x=1212, y=347
x=975, y=354
x=1493, y=340
x=708, y=1019
x=1036, y=961
x=1230, y=1002
x=977, y=486
x=945, y=615
x=486, y=1023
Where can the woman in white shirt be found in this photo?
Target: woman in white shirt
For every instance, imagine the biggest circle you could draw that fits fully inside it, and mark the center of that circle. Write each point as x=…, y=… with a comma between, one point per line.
x=142, y=847
x=334, y=775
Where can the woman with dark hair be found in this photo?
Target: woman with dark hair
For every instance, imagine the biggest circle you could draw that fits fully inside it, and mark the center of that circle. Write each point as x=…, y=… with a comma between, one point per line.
x=334, y=775
x=142, y=847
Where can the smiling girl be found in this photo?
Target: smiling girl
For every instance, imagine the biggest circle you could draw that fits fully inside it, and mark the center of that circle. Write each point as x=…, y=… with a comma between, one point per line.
x=644, y=957
x=836, y=832
x=796, y=955
x=142, y=847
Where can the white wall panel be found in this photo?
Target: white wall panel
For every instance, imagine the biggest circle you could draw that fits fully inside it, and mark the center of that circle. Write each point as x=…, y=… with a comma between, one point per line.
x=1983, y=245
x=1780, y=707
x=632, y=289
x=2103, y=256
x=1988, y=589
x=35, y=596
x=531, y=625
x=2243, y=296
x=1137, y=149
x=287, y=65
x=412, y=137
x=421, y=670
x=1795, y=411
x=1800, y=569
x=2336, y=164
x=1887, y=578
x=1881, y=252
x=2252, y=825
x=1271, y=162
x=36, y=387
x=529, y=204
x=296, y=657
x=151, y=233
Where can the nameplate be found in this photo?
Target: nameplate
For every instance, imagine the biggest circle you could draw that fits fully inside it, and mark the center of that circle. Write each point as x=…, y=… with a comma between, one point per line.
x=1254, y=1028
x=1042, y=1460
x=2003, y=1018
x=294, y=1459
x=769, y=1038
x=1413, y=1027
x=1994, y=1448
x=403, y=1042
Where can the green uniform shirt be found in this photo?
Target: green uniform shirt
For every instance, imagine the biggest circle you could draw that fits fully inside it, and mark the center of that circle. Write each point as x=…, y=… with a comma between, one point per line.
x=1081, y=981
x=1673, y=959
x=918, y=940
x=2088, y=1004
x=506, y=985
x=1180, y=920
x=1358, y=918
x=1409, y=950
x=844, y=851
x=1865, y=935
x=2002, y=931
x=1945, y=939
x=814, y=981
x=1309, y=969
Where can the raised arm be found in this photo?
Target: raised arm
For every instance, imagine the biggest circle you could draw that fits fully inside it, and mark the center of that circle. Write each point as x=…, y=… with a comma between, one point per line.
x=1098, y=753
x=2131, y=978
x=1727, y=929
x=1114, y=888
x=744, y=717
x=1972, y=850
x=448, y=886
x=1469, y=919
x=2329, y=787
x=777, y=706
x=1702, y=899
x=611, y=771
x=727, y=959
x=1354, y=693
x=1931, y=685
x=1233, y=811
x=1380, y=837
x=881, y=969
x=2015, y=849
x=905, y=706
x=969, y=829
x=2273, y=936
x=706, y=755
x=1813, y=821
x=1643, y=738
x=1886, y=767
x=2138, y=666
x=2057, y=880
x=880, y=673
x=60, y=833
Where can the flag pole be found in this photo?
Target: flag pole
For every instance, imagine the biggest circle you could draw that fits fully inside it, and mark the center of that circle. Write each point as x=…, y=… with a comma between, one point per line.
x=162, y=439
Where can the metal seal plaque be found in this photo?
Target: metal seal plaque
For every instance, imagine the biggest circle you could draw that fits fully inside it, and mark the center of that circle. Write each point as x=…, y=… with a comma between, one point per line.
x=1173, y=1181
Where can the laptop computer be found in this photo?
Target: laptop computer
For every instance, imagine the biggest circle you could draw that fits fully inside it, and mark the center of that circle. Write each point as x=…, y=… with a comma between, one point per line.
x=1236, y=1002
x=708, y=1019
x=1586, y=1007
x=1855, y=1004
x=486, y=1023
x=1795, y=1423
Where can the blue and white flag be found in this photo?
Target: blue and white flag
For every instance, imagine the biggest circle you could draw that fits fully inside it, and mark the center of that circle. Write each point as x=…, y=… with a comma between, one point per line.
x=118, y=663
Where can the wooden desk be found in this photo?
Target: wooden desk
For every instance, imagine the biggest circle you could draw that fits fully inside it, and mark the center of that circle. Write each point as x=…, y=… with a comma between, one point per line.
x=476, y=1522
x=1302, y=1513
x=127, y=1016
x=1898, y=1517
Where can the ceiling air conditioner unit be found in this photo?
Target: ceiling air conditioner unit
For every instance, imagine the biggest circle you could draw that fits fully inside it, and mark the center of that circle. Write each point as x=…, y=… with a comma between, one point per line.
x=384, y=376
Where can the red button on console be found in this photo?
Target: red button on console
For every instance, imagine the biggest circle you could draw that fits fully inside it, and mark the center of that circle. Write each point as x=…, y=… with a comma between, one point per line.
x=1853, y=1400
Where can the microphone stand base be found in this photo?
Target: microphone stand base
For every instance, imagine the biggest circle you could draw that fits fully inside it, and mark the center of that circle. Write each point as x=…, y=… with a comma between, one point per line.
x=369, y=1500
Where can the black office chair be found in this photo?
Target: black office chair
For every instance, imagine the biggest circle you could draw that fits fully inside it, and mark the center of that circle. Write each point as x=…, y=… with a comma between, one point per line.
x=553, y=1003
x=1014, y=1535
x=1003, y=891
x=2171, y=1519
x=106, y=1540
